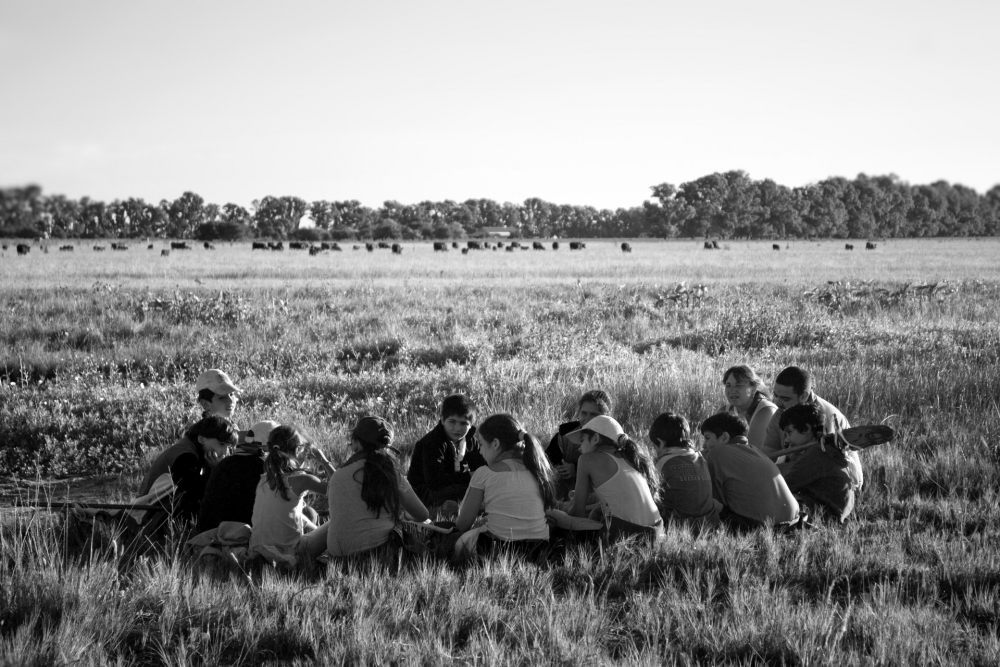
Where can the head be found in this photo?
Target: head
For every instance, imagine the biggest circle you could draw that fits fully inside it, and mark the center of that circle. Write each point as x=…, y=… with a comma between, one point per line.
x=792, y=386
x=373, y=436
x=723, y=427
x=593, y=404
x=741, y=385
x=258, y=434
x=217, y=395
x=604, y=432
x=503, y=434
x=285, y=448
x=214, y=436
x=457, y=415
x=801, y=424
x=670, y=431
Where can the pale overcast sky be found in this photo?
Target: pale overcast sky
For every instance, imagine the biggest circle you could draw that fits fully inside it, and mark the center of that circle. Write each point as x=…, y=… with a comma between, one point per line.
x=574, y=102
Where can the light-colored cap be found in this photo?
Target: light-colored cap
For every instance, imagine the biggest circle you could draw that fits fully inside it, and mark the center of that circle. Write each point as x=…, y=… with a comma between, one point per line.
x=602, y=424
x=258, y=432
x=217, y=381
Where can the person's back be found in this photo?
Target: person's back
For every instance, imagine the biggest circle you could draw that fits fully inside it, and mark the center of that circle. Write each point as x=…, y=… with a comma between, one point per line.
x=626, y=494
x=685, y=485
x=512, y=500
x=232, y=487
x=277, y=521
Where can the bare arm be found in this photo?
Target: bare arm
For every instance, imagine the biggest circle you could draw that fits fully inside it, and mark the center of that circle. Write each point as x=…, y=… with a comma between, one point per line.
x=467, y=514
x=302, y=483
x=412, y=505
x=583, y=487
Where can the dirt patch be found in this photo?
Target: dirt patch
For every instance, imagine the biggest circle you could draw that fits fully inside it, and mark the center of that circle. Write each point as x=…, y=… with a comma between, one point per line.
x=100, y=488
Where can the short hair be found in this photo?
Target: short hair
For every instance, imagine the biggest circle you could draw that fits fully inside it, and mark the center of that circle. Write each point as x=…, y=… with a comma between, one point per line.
x=458, y=405
x=802, y=417
x=797, y=378
x=725, y=422
x=598, y=396
x=672, y=429
x=213, y=426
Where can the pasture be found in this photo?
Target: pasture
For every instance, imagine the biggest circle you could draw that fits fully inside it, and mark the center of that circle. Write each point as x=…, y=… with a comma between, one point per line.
x=100, y=351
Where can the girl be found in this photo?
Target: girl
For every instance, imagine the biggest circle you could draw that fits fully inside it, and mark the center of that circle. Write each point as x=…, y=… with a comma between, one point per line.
x=368, y=494
x=280, y=529
x=621, y=473
x=515, y=487
x=563, y=454
x=748, y=397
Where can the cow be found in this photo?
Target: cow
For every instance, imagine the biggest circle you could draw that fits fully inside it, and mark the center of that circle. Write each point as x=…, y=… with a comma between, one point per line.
x=514, y=244
x=164, y=253
x=369, y=247
x=583, y=246
x=335, y=247
x=120, y=246
x=66, y=248
x=474, y=245
x=870, y=246
x=499, y=244
x=4, y=246
x=258, y=245
x=279, y=246
x=209, y=246
x=325, y=246
x=397, y=249
x=775, y=246
x=454, y=244
x=574, y=245
x=465, y=251
x=440, y=246
x=23, y=248
x=382, y=245
x=535, y=245
x=848, y=246
x=179, y=245
x=98, y=248
x=626, y=247
x=555, y=245
x=511, y=248
x=356, y=247
x=314, y=250
x=149, y=247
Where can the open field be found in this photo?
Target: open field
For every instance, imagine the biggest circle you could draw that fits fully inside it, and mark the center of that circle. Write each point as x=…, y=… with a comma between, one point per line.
x=99, y=352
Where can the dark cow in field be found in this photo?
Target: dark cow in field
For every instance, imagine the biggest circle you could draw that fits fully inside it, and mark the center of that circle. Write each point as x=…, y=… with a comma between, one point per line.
x=775, y=246
x=440, y=246
x=465, y=251
x=66, y=248
x=848, y=246
x=325, y=246
x=314, y=250
x=576, y=245
x=356, y=247
x=535, y=245
x=119, y=246
x=370, y=247
x=473, y=245
x=454, y=244
x=870, y=246
x=4, y=246
x=164, y=253
x=209, y=246
x=179, y=245
x=626, y=247
x=397, y=249
x=511, y=248
x=499, y=244
x=149, y=247
x=258, y=245
x=23, y=248
x=382, y=245
x=555, y=245
x=98, y=248
x=336, y=247
x=279, y=246
x=295, y=245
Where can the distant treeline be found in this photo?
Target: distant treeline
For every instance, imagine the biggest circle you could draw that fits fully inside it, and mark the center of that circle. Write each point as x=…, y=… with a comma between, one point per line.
x=724, y=205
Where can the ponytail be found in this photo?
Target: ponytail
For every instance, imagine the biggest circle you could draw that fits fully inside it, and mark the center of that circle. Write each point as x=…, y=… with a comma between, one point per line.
x=282, y=443
x=527, y=449
x=380, y=486
x=638, y=457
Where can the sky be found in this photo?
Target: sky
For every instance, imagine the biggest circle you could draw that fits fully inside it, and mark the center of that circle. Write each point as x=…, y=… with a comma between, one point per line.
x=587, y=103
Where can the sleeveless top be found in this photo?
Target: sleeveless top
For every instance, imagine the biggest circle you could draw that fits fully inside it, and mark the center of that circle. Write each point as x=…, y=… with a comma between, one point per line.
x=626, y=496
x=513, y=502
x=277, y=522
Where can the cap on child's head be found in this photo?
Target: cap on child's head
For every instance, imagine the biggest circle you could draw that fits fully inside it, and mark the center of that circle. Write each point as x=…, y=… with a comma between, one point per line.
x=602, y=425
x=373, y=431
x=671, y=429
x=258, y=433
x=217, y=381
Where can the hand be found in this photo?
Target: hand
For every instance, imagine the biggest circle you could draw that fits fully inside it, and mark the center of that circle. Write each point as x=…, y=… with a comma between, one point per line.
x=567, y=470
x=461, y=447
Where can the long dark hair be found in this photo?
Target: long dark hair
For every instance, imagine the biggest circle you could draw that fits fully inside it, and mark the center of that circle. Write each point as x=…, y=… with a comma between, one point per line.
x=512, y=437
x=380, y=486
x=282, y=444
x=638, y=456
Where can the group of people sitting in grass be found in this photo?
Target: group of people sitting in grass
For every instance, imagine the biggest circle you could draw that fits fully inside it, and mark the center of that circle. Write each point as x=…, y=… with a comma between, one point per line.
x=497, y=485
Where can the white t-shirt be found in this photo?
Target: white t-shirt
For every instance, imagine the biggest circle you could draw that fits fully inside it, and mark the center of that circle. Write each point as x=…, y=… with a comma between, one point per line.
x=513, y=502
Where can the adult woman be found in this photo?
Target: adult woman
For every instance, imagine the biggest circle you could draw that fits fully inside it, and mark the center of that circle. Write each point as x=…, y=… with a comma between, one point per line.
x=368, y=494
x=748, y=397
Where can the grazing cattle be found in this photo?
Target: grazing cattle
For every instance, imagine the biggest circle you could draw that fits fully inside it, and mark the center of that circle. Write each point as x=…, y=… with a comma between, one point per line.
x=258, y=245
x=535, y=245
x=775, y=246
x=514, y=244
x=499, y=244
x=209, y=246
x=574, y=245
x=870, y=246
x=149, y=247
x=120, y=246
x=325, y=246
x=474, y=245
x=511, y=248
x=295, y=245
x=98, y=248
x=397, y=249
x=369, y=247
x=356, y=247
x=848, y=246
x=440, y=246
x=335, y=247
x=164, y=253
x=314, y=250
x=66, y=248
x=23, y=249
x=179, y=245
x=454, y=244
x=465, y=251
x=4, y=246
x=279, y=246
x=382, y=245
x=555, y=245
x=626, y=247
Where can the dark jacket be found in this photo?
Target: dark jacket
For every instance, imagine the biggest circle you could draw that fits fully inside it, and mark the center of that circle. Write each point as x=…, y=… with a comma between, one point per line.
x=432, y=471
x=555, y=452
x=231, y=489
x=189, y=471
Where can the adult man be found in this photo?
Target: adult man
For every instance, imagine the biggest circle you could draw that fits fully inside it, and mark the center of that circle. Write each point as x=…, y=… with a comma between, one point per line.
x=793, y=386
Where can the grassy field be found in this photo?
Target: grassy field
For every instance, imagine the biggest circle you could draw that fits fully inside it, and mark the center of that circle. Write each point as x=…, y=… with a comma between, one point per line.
x=99, y=353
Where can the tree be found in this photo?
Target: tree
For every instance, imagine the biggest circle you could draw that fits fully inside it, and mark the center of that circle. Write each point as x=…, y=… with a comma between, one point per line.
x=277, y=217
x=387, y=228
x=184, y=214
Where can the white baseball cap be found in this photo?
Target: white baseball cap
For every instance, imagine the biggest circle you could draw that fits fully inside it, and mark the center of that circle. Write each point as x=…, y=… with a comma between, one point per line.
x=259, y=432
x=217, y=381
x=602, y=424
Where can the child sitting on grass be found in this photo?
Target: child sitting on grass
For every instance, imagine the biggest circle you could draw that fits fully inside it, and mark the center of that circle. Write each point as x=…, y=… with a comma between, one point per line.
x=443, y=460
x=514, y=488
x=820, y=476
x=564, y=454
x=281, y=531
x=747, y=483
x=685, y=484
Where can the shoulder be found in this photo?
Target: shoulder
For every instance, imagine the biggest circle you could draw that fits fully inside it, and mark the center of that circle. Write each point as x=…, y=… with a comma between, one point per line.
x=568, y=427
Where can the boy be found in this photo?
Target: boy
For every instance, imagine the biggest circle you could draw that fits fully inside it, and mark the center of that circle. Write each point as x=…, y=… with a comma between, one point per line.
x=820, y=475
x=685, y=484
x=217, y=395
x=232, y=486
x=443, y=460
x=748, y=484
